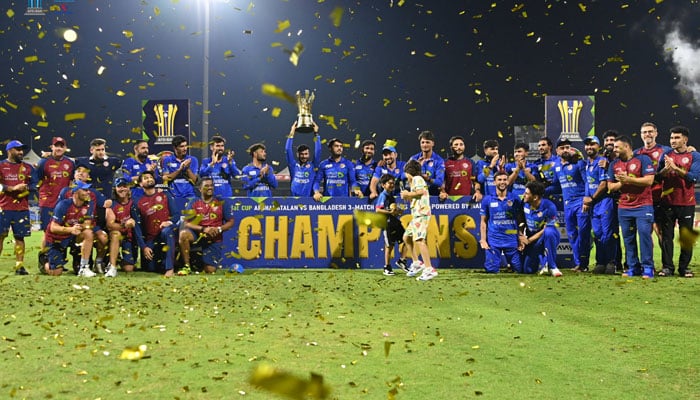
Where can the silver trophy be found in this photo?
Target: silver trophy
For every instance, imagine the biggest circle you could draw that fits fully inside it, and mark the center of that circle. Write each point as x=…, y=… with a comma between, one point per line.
x=305, y=121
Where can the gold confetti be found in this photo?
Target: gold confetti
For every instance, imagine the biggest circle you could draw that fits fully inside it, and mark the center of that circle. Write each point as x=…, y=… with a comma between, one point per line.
x=370, y=218
x=133, y=353
x=274, y=91
x=285, y=384
x=228, y=54
x=128, y=34
x=74, y=116
x=156, y=11
x=282, y=25
x=120, y=93
x=134, y=51
x=330, y=120
x=276, y=112
x=386, y=102
x=336, y=16
x=10, y=13
x=12, y=105
x=30, y=59
x=687, y=238
x=429, y=54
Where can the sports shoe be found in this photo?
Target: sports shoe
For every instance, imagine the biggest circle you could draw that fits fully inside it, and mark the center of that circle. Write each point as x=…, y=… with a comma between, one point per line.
x=579, y=268
x=388, y=271
x=415, y=269
x=599, y=269
x=427, y=274
x=610, y=269
x=111, y=271
x=21, y=271
x=86, y=271
x=401, y=263
x=555, y=272
x=686, y=274
x=544, y=270
x=99, y=267
x=184, y=270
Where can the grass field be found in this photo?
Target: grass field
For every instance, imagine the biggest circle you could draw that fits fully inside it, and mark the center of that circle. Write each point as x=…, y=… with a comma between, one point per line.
x=464, y=334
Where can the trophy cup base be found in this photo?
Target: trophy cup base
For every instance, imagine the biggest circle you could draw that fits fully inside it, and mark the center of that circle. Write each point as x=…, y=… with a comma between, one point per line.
x=304, y=129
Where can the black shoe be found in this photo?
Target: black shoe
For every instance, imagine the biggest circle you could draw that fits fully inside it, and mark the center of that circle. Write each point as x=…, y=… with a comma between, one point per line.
x=610, y=268
x=600, y=269
x=401, y=263
x=388, y=271
x=43, y=260
x=579, y=268
x=665, y=272
x=21, y=271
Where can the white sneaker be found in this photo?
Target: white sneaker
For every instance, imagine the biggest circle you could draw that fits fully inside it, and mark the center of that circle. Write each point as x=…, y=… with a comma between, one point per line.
x=99, y=267
x=86, y=272
x=555, y=272
x=111, y=271
x=415, y=268
x=427, y=274
x=544, y=270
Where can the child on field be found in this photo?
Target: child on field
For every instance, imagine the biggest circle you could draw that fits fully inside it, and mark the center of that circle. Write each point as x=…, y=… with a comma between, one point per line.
x=393, y=234
x=417, y=230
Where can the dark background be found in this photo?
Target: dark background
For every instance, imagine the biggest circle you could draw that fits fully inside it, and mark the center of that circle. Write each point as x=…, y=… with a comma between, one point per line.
x=473, y=68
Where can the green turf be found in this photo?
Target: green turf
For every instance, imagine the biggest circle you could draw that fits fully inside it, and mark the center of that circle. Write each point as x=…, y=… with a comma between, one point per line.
x=465, y=334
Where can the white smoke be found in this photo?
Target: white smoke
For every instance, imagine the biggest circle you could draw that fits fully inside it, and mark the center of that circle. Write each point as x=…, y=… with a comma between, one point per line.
x=685, y=57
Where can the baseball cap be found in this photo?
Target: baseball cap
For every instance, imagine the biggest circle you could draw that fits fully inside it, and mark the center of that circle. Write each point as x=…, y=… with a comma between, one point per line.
x=593, y=139
x=14, y=144
x=389, y=148
x=58, y=140
x=81, y=185
x=121, y=182
x=563, y=142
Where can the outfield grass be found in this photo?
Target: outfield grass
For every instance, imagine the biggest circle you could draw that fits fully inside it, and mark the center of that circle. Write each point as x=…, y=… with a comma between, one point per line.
x=465, y=334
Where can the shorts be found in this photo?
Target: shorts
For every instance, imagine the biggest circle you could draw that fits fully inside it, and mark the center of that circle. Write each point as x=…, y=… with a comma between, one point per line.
x=418, y=228
x=45, y=214
x=57, y=253
x=211, y=253
x=127, y=252
x=17, y=220
x=394, y=232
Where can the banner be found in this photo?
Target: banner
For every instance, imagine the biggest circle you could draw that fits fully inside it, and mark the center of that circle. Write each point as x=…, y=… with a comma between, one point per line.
x=163, y=119
x=569, y=117
x=291, y=232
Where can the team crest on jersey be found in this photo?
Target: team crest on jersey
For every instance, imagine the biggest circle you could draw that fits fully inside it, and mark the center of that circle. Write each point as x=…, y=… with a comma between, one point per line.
x=570, y=167
x=655, y=154
x=465, y=165
x=539, y=214
x=633, y=167
x=66, y=166
x=342, y=165
x=685, y=160
x=224, y=165
x=137, y=167
x=159, y=198
x=430, y=164
x=509, y=203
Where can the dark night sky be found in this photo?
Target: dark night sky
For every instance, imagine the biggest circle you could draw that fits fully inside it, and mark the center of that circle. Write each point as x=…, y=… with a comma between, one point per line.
x=474, y=68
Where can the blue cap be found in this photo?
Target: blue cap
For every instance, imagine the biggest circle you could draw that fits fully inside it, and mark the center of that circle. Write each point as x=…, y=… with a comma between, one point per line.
x=593, y=139
x=80, y=185
x=14, y=144
x=121, y=182
x=390, y=148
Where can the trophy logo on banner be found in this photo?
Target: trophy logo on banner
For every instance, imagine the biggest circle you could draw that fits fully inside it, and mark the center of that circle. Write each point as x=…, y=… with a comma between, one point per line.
x=163, y=119
x=570, y=111
x=305, y=121
x=570, y=117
